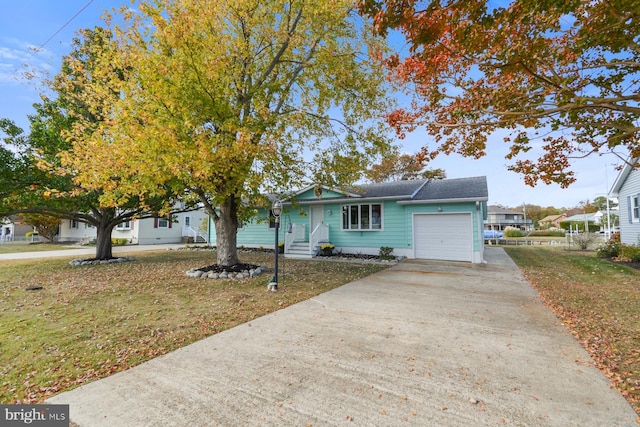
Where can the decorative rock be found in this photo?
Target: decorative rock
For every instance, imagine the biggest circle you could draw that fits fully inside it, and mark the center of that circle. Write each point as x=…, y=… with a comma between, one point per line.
x=77, y=262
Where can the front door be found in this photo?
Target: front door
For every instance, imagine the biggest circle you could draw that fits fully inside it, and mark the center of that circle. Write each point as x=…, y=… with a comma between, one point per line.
x=317, y=216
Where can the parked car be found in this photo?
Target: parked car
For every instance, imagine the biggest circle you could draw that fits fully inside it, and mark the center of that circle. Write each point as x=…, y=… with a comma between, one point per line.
x=492, y=234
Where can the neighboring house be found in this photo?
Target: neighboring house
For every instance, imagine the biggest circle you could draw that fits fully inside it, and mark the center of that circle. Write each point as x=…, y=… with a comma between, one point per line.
x=552, y=221
x=430, y=219
x=499, y=218
x=184, y=227
x=585, y=218
x=13, y=229
x=627, y=189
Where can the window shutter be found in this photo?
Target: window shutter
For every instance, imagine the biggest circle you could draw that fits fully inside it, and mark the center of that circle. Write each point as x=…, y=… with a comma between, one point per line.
x=169, y=220
x=155, y=222
x=629, y=209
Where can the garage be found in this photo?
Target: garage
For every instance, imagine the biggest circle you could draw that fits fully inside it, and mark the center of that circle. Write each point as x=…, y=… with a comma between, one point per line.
x=443, y=236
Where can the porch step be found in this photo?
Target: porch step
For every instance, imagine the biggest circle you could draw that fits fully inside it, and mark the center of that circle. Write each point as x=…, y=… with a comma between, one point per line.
x=298, y=250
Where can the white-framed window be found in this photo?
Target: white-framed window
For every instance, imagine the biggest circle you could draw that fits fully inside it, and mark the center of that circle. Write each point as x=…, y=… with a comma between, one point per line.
x=635, y=208
x=124, y=226
x=163, y=223
x=362, y=217
x=74, y=224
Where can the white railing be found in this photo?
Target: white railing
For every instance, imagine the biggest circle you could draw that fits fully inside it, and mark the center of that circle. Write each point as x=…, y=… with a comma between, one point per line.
x=298, y=232
x=192, y=232
x=319, y=235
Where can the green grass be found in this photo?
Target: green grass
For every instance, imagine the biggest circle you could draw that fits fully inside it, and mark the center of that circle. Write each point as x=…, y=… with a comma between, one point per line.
x=598, y=300
x=89, y=322
x=10, y=247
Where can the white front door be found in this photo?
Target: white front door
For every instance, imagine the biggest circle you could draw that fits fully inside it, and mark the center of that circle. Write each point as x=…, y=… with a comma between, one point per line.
x=317, y=216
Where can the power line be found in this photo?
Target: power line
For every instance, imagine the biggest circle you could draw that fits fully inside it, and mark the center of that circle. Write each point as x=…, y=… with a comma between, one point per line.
x=65, y=24
x=39, y=48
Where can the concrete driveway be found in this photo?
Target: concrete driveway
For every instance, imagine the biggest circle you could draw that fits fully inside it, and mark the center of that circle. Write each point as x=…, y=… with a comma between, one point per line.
x=422, y=343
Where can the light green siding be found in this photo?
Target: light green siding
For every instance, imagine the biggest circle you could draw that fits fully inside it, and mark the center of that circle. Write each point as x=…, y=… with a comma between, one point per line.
x=326, y=194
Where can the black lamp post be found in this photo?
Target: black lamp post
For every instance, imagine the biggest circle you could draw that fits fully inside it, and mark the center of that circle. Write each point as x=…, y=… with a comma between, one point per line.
x=276, y=208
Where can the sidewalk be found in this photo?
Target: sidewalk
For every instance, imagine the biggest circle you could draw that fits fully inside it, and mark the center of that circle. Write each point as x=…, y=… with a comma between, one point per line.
x=421, y=343
x=87, y=252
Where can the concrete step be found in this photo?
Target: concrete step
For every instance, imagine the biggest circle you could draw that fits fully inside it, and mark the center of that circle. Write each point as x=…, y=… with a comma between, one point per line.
x=298, y=250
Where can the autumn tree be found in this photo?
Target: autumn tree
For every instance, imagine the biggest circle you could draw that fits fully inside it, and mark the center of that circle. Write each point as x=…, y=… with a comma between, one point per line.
x=47, y=226
x=401, y=167
x=560, y=76
x=227, y=100
x=42, y=183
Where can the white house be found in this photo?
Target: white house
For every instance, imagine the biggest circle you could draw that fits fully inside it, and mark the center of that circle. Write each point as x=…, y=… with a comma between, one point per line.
x=12, y=228
x=184, y=227
x=627, y=189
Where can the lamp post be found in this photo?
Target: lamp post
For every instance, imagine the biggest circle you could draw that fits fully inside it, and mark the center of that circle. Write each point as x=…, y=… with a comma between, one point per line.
x=276, y=209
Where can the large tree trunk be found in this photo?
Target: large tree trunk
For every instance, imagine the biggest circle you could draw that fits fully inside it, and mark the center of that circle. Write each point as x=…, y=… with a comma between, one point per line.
x=226, y=223
x=103, y=242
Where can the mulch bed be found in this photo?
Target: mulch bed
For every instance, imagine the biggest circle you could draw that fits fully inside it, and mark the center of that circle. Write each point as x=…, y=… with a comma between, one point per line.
x=236, y=268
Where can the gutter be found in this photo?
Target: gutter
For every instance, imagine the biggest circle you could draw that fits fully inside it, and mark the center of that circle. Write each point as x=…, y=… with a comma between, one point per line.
x=434, y=201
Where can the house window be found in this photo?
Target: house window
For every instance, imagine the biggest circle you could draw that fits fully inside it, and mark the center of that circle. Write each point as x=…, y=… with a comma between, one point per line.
x=635, y=211
x=124, y=226
x=362, y=217
x=161, y=223
x=187, y=221
x=74, y=224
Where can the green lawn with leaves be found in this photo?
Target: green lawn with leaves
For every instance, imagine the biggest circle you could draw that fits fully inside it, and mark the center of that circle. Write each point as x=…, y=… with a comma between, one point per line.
x=598, y=301
x=90, y=322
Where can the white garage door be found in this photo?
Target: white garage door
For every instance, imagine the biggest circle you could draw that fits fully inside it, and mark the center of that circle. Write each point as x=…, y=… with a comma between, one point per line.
x=443, y=236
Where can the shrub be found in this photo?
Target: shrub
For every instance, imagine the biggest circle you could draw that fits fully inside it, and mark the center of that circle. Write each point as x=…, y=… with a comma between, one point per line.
x=610, y=249
x=327, y=246
x=630, y=252
x=118, y=241
x=584, y=239
x=512, y=232
x=386, y=252
x=547, y=233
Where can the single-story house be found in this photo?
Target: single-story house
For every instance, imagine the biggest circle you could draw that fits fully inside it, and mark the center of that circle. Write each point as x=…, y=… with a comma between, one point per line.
x=582, y=218
x=430, y=219
x=551, y=221
x=184, y=227
x=627, y=189
x=13, y=228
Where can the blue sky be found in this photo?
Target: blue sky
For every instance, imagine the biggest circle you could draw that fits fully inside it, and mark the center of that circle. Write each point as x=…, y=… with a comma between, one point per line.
x=34, y=34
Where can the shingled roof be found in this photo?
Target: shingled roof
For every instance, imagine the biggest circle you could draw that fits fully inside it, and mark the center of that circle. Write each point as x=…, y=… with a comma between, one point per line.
x=420, y=190
x=474, y=188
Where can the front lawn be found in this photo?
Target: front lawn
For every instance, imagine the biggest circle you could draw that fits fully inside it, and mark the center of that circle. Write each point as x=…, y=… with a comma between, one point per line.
x=90, y=322
x=12, y=247
x=598, y=301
